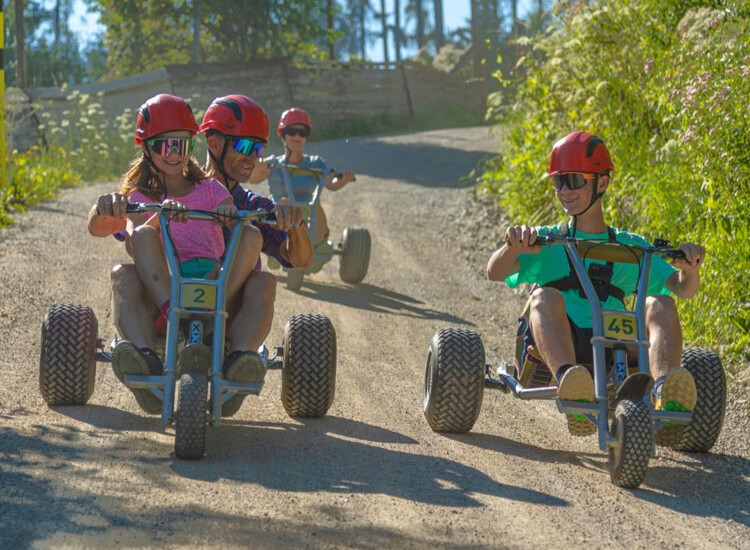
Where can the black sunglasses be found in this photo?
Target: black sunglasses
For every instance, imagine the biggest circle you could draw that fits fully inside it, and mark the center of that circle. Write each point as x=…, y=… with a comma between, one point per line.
x=571, y=181
x=302, y=132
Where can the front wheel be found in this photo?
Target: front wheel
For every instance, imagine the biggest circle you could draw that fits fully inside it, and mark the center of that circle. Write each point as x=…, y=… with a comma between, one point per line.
x=708, y=416
x=67, y=365
x=453, y=380
x=355, y=255
x=308, y=377
x=628, y=458
x=190, y=417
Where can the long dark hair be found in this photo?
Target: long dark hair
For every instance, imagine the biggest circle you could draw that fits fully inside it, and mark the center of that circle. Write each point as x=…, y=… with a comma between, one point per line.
x=144, y=177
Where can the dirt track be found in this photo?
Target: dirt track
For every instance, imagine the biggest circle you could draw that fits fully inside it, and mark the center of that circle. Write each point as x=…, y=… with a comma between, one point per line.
x=369, y=475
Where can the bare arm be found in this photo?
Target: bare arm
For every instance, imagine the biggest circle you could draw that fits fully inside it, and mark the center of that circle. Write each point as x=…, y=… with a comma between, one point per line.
x=260, y=172
x=334, y=182
x=108, y=215
x=684, y=283
x=504, y=261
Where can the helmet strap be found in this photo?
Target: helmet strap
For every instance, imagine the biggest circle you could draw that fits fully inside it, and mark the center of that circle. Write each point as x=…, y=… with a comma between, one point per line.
x=219, y=162
x=595, y=196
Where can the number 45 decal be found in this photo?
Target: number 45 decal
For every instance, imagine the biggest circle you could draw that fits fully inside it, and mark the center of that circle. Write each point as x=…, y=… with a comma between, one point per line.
x=619, y=326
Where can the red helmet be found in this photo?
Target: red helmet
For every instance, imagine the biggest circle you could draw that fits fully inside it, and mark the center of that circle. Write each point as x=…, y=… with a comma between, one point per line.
x=293, y=116
x=579, y=152
x=236, y=115
x=163, y=113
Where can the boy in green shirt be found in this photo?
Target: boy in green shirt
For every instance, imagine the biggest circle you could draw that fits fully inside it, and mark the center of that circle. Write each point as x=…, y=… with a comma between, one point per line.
x=560, y=318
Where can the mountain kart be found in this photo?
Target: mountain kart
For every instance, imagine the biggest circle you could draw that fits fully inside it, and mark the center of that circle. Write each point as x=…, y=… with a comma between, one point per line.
x=193, y=351
x=626, y=421
x=353, y=250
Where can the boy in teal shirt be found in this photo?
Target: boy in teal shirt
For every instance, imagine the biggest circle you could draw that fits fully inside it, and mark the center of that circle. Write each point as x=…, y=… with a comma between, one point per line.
x=559, y=324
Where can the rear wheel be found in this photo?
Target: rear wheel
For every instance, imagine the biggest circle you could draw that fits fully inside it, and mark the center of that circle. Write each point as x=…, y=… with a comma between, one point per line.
x=190, y=417
x=308, y=377
x=67, y=365
x=708, y=416
x=628, y=458
x=454, y=380
x=355, y=255
x=294, y=278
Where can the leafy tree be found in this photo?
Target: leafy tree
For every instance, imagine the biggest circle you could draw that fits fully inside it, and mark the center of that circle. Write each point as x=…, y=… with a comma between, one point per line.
x=665, y=84
x=51, y=49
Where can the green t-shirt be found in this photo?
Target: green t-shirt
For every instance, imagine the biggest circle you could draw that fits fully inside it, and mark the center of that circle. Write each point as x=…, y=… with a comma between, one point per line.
x=552, y=264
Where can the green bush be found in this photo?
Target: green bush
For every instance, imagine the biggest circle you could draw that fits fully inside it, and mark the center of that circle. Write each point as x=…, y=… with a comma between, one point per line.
x=665, y=84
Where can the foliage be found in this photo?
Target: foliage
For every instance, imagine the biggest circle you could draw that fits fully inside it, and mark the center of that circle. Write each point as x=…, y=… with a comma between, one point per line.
x=146, y=36
x=52, y=50
x=665, y=84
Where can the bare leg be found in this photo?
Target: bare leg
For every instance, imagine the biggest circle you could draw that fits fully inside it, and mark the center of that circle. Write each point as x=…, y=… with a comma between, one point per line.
x=248, y=252
x=664, y=335
x=321, y=225
x=551, y=329
x=252, y=323
x=151, y=263
x=131, y=307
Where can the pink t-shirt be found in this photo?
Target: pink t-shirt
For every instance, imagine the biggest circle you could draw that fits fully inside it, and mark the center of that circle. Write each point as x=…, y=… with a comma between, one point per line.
x=196, y=238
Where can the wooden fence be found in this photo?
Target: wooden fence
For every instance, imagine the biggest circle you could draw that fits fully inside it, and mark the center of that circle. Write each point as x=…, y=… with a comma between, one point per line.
x=333, y=93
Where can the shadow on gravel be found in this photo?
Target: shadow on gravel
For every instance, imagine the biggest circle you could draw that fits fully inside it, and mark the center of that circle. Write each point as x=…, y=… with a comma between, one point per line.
x=111, y=418
x=69, y=510
x=533, y=453
x=702, y=485
x=410, y=162
x=314, y=456
x=33, y=506
x=377, y=299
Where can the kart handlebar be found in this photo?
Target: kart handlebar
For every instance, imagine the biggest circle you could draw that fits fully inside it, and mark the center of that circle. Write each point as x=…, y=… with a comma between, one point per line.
x=262, y=216
x=613, y=251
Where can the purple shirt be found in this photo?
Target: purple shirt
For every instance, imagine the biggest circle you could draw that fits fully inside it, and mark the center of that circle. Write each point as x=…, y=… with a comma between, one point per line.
x=272, y=237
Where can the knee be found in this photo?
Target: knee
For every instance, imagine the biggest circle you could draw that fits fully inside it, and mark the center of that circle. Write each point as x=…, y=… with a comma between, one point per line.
x=251, y=238
x=547, y=300
x=143, y=236
x=660, y=308
x=124, y=280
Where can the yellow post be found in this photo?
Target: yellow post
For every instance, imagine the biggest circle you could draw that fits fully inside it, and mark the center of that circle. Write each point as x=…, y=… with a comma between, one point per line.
x=3, y=159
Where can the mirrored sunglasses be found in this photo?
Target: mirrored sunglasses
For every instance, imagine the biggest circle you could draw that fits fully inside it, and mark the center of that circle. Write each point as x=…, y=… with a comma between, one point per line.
x=247, y=146
x=302, y=132
x=571, y=181
x=166, y=146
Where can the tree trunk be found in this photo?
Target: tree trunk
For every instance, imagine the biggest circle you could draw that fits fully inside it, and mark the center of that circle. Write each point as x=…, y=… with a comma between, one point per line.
x=514, y=24
x=329, y=19
x=397, y=29
x=420, y=23
x=476, y=40
x=383, y=18
x=196, y=29
x=20, y=45
x=362, y=30
x=439, y=33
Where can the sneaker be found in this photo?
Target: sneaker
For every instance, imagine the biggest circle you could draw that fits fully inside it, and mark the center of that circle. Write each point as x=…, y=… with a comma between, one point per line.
x=244, y=366
x=678, y=393
x=128, y=359
x=241, y=366
x=577, y=385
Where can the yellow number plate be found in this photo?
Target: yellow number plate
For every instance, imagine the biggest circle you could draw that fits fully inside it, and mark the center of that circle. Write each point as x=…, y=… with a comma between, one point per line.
x=199, y=296
x=619, y=326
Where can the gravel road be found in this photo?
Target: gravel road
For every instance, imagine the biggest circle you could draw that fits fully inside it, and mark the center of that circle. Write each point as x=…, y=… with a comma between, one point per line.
x=371, y=474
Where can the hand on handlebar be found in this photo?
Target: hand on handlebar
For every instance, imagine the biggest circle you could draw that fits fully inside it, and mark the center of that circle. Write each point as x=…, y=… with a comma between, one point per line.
x=695, y=255
x=521, y=239
x=286, y=216
x=112, y=205
x=178, y=211
x=226, y=213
